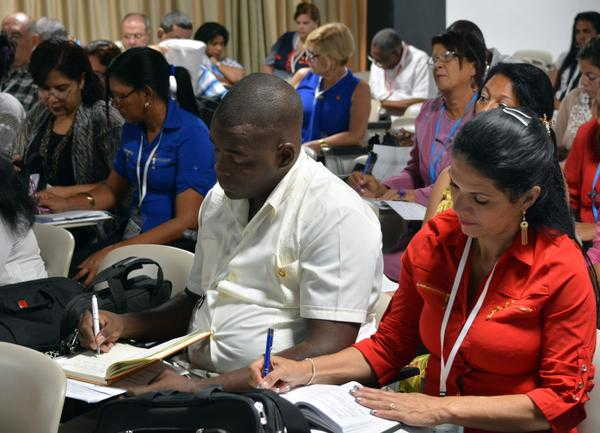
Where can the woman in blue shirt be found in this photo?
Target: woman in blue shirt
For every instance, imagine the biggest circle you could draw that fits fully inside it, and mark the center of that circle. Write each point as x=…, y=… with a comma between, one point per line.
x=336, y=103
x=165, y=154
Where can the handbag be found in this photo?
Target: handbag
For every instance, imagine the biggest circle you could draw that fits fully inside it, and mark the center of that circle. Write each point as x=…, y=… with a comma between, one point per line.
x=257, y=411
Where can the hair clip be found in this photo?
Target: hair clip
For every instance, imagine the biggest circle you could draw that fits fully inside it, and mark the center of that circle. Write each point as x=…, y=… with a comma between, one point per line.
x=517, y=114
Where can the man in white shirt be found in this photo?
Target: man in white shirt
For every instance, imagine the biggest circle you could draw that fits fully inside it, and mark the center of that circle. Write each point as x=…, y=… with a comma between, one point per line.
x=282, y=243
x=400, y=75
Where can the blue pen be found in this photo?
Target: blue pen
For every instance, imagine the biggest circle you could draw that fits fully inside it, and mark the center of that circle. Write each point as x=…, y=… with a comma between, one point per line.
x=371, y=159
x=267, y=363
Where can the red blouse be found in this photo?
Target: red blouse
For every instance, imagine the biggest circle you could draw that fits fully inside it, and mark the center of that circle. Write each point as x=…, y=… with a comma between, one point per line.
x=535, y=333
x=580, y=169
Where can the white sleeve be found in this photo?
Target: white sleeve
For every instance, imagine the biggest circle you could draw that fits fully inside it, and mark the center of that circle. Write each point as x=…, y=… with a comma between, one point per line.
x=6, y=244
x=341, y=266
x=422, y=80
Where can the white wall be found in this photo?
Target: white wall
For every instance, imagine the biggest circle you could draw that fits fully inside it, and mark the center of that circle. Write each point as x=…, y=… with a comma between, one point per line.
x=511, y=25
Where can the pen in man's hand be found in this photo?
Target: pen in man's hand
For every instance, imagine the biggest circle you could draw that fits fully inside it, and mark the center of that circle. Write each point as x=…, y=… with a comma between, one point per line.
x=267, y=361
x=95, y=320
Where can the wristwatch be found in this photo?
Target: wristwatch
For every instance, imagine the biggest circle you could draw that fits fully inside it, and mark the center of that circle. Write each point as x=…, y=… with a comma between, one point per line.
x=322, y=143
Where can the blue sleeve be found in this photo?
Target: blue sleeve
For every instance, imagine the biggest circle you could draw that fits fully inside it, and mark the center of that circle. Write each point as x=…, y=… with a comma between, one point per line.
x=119, y=163
x=195, y=160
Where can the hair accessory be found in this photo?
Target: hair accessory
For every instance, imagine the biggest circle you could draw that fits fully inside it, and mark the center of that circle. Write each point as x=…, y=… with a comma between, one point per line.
x=546, y=123
x=147, y=105
x=524, y=226
x=172, y=81
x=517, y=114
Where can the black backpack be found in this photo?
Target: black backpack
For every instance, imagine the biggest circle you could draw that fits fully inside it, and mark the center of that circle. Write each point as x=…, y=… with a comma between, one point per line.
x=211, y=409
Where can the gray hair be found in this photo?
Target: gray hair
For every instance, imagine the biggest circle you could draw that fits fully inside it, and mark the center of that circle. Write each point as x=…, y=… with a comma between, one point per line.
x=138, y=17
x=176, y=18
x=387, y=40
x=48, y=28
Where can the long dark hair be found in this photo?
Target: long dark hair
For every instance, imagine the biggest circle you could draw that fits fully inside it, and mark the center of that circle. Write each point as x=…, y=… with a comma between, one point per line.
x=69, y=59
x=513, y=148
x=570, y=60
x=142, y=66
x=17, y=208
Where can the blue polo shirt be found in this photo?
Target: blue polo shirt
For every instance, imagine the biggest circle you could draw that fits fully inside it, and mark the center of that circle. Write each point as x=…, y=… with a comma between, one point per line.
x=184, y=159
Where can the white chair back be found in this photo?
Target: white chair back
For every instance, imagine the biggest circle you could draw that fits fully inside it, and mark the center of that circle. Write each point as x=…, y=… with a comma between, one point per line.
x=175, y=263
x=56, y=248
x=33, y=391
x=592, y=408
x=189, y=53
x=540, y=58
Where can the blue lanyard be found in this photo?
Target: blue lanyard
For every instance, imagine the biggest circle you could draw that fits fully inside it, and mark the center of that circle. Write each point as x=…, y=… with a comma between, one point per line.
x=593, y=194
x=436, y=157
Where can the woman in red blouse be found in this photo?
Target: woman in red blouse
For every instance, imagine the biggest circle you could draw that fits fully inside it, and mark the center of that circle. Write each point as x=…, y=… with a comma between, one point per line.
x=582, y=172
x=498, y=283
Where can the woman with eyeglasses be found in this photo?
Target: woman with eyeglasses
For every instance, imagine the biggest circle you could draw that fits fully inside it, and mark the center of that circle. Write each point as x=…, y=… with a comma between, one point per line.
x=70, y=136
x=165, y=156
x=100, y=53
x=496, y=289
x=336, y=103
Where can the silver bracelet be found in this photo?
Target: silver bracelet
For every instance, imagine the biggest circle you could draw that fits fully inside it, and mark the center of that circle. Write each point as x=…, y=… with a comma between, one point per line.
x=314, y=371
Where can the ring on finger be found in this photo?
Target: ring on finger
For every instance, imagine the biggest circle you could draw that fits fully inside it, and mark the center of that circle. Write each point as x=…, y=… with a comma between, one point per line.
x=392, y=406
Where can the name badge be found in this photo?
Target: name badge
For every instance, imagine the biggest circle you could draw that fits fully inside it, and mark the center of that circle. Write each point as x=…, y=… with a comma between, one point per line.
x=134, y=226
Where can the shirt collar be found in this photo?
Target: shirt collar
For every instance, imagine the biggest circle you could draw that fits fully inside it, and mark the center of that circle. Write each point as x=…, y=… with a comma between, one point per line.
x=173, y=120
x=281, y=192
x=404, y=59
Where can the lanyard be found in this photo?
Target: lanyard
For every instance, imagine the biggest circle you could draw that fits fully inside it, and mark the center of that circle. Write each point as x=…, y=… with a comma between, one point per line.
x=436, y=157
x=143, y=181
x=594, y=194
x=446, y=366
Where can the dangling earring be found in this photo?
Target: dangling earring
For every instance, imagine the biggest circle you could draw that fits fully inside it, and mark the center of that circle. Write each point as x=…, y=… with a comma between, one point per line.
x=524, y=226
x=146, y=105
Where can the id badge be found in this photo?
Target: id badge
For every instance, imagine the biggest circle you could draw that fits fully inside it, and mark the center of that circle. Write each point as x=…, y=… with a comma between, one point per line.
x=448, y=428
x=134, y=226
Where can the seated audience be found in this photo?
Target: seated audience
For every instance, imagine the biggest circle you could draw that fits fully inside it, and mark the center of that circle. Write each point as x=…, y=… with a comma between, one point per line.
x=400, y=75
x=336, y=103
x=47, y=28
x=216, y=37
x=19, y=252
x=509, y=84
x=12, y=112
x=497, y=290
x=459, y=68
x=288, y=55
x=567, y=74
x=175, y=25
x=18, y=81
x=281, y=240
x=166, y=155
x=100, y=53
x=582, y=175
x=576, y=107
x=69, y=137
x=135, y=30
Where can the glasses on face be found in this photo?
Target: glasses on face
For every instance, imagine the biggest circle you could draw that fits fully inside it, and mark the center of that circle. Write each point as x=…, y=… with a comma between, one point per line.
x=118, y=99
x=389, y=63
x=310, y=56
x=58, y=92
x=136, y=36
x=445, y=57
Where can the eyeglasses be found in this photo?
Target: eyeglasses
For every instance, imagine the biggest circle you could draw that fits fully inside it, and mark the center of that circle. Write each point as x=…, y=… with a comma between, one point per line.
x=135, y=36
x=118, y=99
x=57, y=93
x=311, y=56
x=389, y=63
x=444, y=58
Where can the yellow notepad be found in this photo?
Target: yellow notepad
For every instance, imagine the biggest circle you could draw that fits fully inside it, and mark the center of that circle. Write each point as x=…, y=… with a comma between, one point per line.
x=123, y=359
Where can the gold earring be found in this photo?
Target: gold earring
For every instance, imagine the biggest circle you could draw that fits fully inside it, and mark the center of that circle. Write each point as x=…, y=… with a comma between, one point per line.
x=524, y=226
x=147, y=105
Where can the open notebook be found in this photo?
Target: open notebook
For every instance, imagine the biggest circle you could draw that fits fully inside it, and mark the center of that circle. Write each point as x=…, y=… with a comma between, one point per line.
x=122, y=360
x=333, y=409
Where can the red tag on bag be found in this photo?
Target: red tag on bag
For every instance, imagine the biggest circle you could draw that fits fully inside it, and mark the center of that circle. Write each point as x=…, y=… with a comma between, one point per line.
x=22, y=304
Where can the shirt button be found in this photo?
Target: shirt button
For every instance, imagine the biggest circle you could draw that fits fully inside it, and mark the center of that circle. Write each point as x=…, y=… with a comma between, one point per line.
x=281, y=272
x=584, y=367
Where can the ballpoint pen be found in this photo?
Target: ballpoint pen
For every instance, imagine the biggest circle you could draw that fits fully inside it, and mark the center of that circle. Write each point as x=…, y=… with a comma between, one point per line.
x=267, y=362
x=96, y=321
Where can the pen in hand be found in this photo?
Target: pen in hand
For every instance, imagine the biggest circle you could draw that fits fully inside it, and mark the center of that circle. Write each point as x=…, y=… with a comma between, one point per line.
x=96, y=321
x=267, y=362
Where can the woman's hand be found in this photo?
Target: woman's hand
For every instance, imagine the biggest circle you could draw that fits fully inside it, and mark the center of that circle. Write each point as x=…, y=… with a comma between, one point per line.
x=52, y=201
x=285, y=374
x=585, y=231
x=89, y=267
x=366, y=185
x=413, y=409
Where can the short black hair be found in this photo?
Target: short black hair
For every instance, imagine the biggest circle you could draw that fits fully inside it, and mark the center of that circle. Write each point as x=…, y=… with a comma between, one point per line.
x=176, y=18
x=210, y=30
x=69, y=59
x=591, y=52
x=531, y=85
x=387, y=40
x=261, y=100
x=104, y=49
x=466, y=46
x=466, y=26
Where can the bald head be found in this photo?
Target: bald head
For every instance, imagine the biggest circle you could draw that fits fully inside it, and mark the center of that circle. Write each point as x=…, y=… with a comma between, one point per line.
x=18, y=27
x=265, y=102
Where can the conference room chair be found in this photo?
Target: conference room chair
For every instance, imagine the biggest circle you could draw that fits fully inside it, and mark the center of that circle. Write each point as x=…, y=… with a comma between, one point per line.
x=592, y=423
x=56, y=248
x=33, y=391
x=175, y=262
